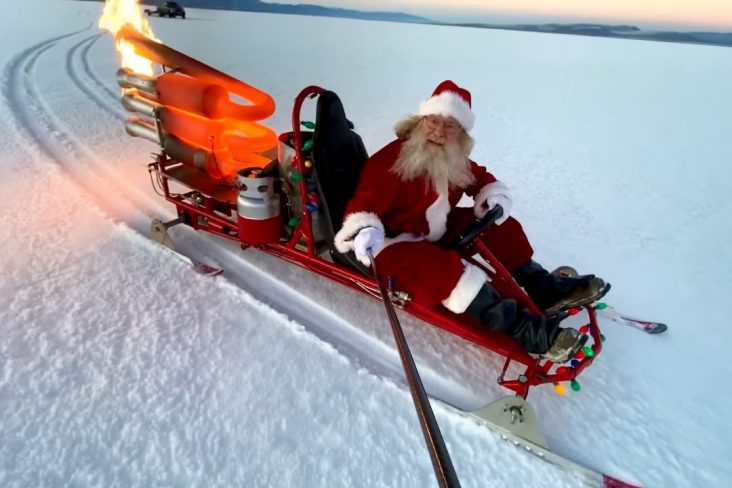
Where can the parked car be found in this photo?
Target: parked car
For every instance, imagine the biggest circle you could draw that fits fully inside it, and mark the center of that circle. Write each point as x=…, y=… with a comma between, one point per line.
x=168, y=9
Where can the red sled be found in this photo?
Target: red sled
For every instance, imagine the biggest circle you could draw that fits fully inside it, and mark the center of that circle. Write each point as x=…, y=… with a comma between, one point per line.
x=292, y=207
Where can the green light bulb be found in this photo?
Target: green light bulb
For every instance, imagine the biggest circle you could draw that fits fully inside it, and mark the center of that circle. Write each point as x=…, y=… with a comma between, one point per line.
x=308, y=124
x=574, y=384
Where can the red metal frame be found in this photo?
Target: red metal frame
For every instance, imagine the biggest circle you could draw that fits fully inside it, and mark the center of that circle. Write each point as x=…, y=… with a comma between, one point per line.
x=203, y=212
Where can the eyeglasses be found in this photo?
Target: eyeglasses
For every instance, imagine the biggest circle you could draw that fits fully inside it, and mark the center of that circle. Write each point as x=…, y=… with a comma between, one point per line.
x=450, y=126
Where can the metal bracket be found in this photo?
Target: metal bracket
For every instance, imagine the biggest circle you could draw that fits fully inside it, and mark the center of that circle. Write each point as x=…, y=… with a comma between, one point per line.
x=514, y=414
x=159, y=232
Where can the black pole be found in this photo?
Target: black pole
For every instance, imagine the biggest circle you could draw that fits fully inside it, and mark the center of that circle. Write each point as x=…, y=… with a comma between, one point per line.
x=445, y=472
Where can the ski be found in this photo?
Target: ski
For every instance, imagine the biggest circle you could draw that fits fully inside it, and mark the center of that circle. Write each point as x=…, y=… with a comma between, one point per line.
x=513, y=420
x=647, y=326
x=199, y=267
x=159, y=233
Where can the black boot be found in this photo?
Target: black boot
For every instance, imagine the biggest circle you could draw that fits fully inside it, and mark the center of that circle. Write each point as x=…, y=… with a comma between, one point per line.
x=536, y=333
x=553, y=292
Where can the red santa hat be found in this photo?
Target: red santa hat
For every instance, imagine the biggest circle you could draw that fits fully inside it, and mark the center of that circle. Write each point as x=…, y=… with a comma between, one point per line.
x=449, y=100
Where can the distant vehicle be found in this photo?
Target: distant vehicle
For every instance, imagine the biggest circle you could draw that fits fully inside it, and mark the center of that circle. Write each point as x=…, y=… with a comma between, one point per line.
x=168, y=9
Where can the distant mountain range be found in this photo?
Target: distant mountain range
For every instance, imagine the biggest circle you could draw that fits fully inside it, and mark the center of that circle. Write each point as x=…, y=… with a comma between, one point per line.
x=617, y=31
x=300, y=9
x=583, y=29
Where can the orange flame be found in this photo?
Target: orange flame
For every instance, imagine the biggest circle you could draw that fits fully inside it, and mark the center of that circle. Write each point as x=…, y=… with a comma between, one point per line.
x=118, y=13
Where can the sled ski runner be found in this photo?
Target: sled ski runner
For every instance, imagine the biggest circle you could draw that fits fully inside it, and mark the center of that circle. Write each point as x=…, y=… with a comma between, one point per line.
x=513, y=420
x=159, y=233
x=646, y=326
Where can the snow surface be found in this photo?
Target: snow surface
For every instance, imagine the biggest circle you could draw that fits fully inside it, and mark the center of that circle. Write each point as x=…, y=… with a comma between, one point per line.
x=119, y=366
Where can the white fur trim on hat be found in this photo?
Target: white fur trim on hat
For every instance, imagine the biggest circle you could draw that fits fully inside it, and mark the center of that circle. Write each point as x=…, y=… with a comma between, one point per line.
x=449, y=104
x=353, y=223
x=466, y=289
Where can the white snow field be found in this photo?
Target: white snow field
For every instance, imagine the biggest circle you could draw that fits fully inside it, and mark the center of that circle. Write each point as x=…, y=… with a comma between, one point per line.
x=119, y=366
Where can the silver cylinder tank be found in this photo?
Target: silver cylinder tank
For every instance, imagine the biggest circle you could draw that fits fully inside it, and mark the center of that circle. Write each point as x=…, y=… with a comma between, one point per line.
x=257, y=198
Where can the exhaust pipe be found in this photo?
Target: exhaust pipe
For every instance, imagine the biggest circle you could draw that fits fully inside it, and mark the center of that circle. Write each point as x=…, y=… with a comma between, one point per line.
x=132, y=103
x=127, y=78
x=261, y=104
x=139, y=127
x=175, y=148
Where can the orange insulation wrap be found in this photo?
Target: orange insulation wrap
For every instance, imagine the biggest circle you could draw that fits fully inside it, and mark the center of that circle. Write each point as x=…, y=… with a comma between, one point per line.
x=228, y=166
x=194, y=130
x=191, y=95
x=231, y=152
x=262, y=105
x=249, y=136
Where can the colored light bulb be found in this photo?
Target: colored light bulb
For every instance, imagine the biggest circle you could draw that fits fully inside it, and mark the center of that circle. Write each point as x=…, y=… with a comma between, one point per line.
x=601, y=306
x=573, y=311
x=560, y=389
x=308, y=124
x=588, y=351
x=308, y=145
x=574, y=362
x=602, y=337
x=308, y=163
x=584, y=329
x=575, y=385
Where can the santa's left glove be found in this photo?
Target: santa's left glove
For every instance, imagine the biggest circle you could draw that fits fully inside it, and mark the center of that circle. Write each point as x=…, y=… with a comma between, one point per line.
x=490, y=195
x=368, y=239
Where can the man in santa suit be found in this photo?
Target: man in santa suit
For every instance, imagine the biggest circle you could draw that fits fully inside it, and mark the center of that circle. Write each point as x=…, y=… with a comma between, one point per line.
x=405, y=203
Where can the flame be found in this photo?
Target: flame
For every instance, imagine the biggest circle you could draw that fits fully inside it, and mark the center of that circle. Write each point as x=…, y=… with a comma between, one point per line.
x=117, y=14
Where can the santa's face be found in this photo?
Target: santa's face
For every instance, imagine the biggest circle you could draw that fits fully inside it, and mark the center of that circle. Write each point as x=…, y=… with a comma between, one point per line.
x=440, y=130
x=436, y=149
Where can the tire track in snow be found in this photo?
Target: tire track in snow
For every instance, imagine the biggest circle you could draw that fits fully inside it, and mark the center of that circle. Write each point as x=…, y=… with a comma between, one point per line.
x=18, y=92
x=116, y=110
x=36, y=121
x=114, y=95
x=41, y=124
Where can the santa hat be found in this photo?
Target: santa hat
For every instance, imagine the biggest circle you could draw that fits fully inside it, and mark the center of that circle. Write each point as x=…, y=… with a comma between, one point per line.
x=449, y=100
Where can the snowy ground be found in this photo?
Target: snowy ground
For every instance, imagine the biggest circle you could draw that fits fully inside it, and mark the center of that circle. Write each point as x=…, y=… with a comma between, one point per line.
x=121, y=367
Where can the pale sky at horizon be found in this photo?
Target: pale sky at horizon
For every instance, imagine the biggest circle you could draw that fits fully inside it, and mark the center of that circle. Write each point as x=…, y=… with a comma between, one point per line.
x=711, y=14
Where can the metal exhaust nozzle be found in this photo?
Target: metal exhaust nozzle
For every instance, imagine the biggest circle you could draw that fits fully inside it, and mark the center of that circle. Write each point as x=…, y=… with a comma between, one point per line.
x=131, y=103
x=139, y=127
x=129, y=79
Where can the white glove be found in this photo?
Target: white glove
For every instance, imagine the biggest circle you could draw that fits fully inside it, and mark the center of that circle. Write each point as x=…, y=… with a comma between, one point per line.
x=368, y=238
x=493, y=194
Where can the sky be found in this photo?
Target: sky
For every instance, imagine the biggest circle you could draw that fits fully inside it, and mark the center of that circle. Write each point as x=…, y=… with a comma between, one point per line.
x=119, y=366
x=702, y=14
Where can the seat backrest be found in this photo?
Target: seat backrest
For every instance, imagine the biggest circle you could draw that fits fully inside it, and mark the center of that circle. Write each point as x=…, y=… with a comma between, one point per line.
x=339, y=156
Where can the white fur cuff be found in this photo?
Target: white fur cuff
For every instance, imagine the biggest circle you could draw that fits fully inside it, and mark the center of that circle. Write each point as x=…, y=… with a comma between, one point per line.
x=466, y=289
x=496, y=192
x=353, y=223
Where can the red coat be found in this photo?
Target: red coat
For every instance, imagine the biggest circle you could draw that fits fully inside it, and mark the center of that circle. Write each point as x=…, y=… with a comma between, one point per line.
x=412, y=213
x=403, y=206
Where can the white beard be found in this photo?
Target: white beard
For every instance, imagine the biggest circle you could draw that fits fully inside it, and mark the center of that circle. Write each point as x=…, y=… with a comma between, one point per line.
x=443, y=166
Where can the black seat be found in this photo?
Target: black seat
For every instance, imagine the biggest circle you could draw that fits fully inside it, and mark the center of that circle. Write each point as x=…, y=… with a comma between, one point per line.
x=338, y=155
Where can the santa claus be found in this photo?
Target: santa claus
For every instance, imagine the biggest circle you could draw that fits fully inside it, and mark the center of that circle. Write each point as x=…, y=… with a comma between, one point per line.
x=406, y=202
